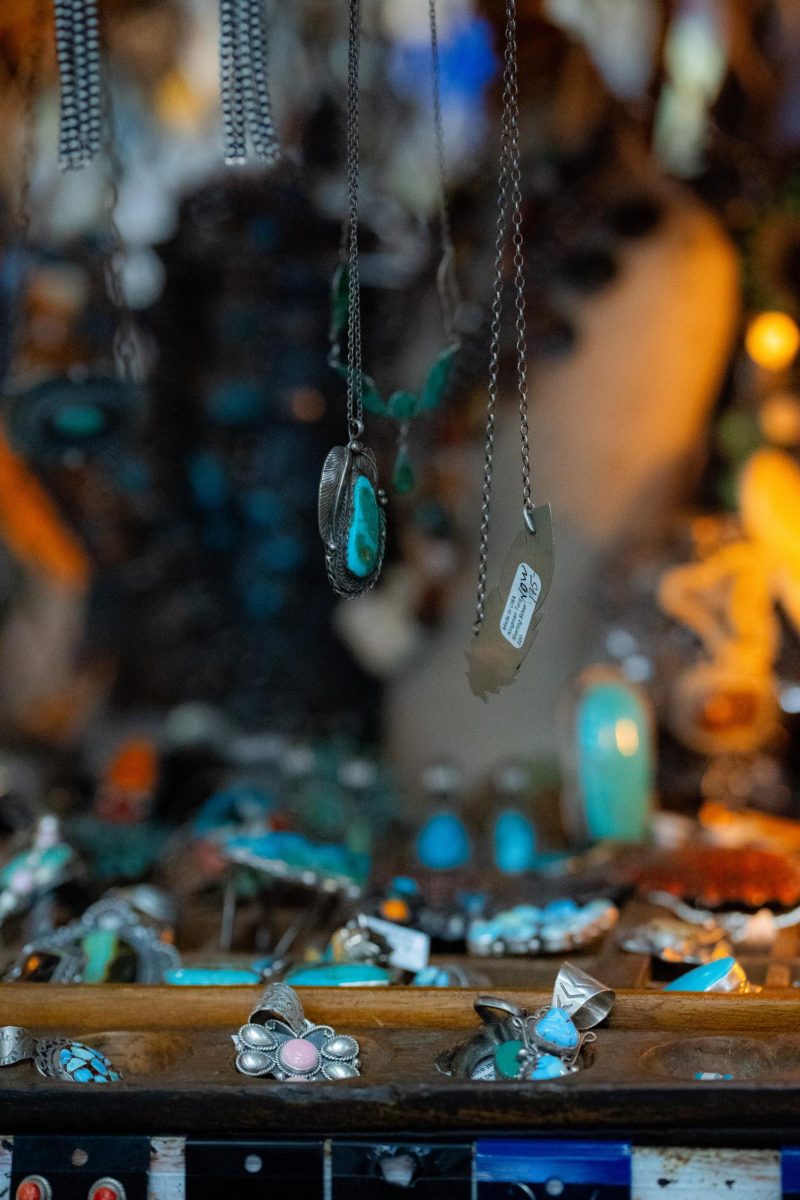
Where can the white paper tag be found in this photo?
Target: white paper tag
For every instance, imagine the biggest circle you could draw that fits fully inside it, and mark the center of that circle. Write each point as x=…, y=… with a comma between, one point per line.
x=411, y=948
x=520, y=605
x=484, y=1070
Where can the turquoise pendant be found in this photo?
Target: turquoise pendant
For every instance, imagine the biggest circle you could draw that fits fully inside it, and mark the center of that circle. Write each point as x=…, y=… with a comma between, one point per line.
x=351, y=519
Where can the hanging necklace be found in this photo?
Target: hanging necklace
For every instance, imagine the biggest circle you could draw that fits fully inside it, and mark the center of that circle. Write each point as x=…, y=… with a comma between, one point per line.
x=352, y=522
x=403, y=406
x=244, y=82
x=506, y=623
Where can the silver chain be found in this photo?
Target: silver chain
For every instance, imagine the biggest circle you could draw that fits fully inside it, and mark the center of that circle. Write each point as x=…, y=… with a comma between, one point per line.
x=355, y=408
x=509, y=187
x=436, y=81
x=449, y=297
x=244, y=82
x=125, y=343
x=78, y=53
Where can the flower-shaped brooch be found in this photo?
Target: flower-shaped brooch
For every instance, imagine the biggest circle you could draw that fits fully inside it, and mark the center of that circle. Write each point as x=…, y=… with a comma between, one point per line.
x=278, y=1041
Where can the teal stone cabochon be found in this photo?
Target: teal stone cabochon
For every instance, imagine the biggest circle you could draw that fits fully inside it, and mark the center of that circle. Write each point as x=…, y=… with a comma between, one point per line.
x=514, y=842
x=363, y=535
x=443, y=842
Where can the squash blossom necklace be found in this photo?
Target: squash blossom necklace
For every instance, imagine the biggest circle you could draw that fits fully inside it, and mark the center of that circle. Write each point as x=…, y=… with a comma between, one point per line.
x=352, y=522
x=506, y=623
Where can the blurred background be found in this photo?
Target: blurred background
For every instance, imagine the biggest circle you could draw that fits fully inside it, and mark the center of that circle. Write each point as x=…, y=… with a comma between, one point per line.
x=168, y=638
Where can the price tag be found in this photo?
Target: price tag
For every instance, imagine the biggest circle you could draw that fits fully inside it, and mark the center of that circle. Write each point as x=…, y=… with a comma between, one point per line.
x=507, y=1170
x=411, y=948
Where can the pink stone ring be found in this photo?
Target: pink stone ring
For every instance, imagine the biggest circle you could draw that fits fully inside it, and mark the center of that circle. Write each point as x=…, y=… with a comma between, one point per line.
x=279, y=1042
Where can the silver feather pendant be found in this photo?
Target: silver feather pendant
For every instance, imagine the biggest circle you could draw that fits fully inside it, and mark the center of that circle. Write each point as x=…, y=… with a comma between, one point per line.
x=352, y=522
x=514, y=609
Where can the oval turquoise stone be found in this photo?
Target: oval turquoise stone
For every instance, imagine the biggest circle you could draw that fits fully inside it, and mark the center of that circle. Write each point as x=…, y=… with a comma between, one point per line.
x=363, y=534
x=506, y=1059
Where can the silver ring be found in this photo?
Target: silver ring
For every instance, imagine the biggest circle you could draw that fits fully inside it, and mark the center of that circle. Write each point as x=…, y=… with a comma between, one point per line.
x=279, y=1002
x=487, y=1008
x=279, y=1042
x=584, y=998
x=16, y=1045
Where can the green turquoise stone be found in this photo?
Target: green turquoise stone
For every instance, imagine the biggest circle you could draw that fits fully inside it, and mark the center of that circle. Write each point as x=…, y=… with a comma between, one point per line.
x=364, y=532
x=403, y=478
x=100, y=947
x=506, y=1059
x=340, y=301
x=402, y=405
x=438, y=379
x=370, y=396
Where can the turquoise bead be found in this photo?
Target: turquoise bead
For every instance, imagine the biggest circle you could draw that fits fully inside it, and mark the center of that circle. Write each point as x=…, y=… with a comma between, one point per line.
x=443, y=843
x=363, y=534
x=615, y=761
x=514, y=842
x=557, y=1029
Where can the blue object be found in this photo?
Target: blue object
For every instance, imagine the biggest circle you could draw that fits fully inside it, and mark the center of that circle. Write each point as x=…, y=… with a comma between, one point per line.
x=790, y=1172
x=557, y=1029
x=211, y=977
x=514, y=842
x=364, y=531
x=443, y=842
x=595, y=1165
x=403, y=885
x=85, y=1065
x=614, y=760
x=239, y=804
x=549, y=1067
x=702, y=979
x=339, y=975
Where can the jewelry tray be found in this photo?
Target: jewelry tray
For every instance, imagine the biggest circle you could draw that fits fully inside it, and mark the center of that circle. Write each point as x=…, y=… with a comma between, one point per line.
x=173, y=1046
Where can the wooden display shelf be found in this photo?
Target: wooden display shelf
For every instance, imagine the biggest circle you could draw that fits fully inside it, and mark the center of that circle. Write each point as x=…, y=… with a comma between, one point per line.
x=173, y=1047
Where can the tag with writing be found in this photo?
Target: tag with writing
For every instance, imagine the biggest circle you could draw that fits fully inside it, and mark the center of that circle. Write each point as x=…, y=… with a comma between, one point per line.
x=513, y=609
x=520, y=605
x=411, y=948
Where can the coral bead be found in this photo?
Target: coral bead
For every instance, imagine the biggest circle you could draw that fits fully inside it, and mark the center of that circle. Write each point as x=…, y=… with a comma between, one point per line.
x=298, y=1055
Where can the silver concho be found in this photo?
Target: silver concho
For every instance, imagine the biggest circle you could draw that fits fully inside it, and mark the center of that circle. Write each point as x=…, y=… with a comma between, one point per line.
x=342, y=468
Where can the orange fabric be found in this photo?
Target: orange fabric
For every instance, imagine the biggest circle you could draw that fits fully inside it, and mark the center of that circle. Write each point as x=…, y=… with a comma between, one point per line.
x=32, y=528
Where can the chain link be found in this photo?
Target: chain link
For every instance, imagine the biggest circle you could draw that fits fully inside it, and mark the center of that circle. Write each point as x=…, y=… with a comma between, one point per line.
x=125, y=343
x=78, y=53
x=355, y=409
x=447, y=284
x=244, y=82
x=436, y=83
x=509, y=187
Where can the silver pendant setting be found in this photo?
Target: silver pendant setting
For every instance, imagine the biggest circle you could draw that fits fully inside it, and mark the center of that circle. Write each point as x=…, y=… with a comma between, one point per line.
x=352, y=521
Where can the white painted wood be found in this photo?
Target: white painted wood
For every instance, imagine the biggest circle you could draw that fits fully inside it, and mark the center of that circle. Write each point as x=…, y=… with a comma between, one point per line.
x=678, y=1173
